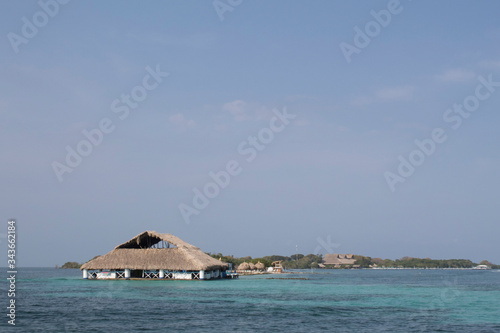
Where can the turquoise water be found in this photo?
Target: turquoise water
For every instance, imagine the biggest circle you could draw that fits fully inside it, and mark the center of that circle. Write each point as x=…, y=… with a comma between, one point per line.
x=50, y=300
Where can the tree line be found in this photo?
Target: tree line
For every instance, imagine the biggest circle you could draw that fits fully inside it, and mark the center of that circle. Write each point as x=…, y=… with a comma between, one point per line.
x=300, y=261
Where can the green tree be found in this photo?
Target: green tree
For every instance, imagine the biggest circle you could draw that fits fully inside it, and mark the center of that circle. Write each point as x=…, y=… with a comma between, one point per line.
x=363, y=261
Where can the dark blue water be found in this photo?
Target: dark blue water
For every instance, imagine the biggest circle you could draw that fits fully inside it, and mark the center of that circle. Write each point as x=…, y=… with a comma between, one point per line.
x=50, y=300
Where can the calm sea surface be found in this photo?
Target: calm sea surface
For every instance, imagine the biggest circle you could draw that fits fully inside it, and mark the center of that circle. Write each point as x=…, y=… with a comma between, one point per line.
x=50, y=300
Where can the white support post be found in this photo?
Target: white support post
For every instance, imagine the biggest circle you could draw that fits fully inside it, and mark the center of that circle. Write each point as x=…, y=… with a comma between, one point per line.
x=85, y=274
x=162, y=274
x=127, y=273
x=202, y=275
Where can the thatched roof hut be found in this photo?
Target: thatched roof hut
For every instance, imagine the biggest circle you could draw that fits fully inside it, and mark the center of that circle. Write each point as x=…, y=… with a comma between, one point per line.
x=260, y=266
x=251, y=266
x=244, y=266
x=143, y=253
x=337, y=260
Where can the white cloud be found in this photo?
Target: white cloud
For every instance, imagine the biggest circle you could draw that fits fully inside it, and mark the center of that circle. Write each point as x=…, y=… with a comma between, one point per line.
x=238, y=109
x=395, y=94
x=495, y=65
x=456, y=75
x=263, y=113
x=243, y=111
x=181, y=121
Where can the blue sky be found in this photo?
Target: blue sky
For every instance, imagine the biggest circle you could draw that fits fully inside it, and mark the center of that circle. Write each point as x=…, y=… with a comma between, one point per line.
x=321, y=180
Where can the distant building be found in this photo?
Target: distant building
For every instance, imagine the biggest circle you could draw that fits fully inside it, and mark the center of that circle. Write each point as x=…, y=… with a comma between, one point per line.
x=151, y=255
x=337, y=260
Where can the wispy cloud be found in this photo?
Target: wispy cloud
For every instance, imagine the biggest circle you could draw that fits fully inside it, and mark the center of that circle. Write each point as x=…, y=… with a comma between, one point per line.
x=494, y=64
x=238, y=109
x=182, y=122
x=242, y=111
x=393, y=94
x=456, y=75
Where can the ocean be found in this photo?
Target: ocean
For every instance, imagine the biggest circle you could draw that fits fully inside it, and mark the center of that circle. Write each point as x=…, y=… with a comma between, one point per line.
x=59, y=300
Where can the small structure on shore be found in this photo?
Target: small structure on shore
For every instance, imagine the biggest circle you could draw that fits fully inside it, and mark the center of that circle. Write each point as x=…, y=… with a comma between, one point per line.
x=338, y=260
x=248, y=267
x=151, y=255
x=276, y=267
x=244, y=266
x=260, y=266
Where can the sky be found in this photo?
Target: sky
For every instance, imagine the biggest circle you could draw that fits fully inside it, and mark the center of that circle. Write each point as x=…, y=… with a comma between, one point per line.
x=251, y=128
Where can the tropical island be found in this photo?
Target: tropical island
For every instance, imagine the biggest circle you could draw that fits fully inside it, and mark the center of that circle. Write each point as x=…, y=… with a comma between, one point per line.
x=300, y=261
x=70, y=265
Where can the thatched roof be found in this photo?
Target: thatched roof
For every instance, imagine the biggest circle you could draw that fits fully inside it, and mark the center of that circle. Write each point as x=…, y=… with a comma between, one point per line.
x=137, y=254
x=338, y=259
x=251, y=266
x=244, y=266
x=260, y=266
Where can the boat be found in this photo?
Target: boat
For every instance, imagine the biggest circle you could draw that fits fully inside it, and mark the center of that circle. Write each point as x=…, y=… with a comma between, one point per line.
x=482, y=267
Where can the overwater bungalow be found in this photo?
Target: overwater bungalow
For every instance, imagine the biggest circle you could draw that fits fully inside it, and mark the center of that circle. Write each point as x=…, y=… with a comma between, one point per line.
x=151, y=255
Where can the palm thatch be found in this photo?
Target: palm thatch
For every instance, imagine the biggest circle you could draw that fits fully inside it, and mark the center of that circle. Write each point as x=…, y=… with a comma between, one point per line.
x=260, y=266
x=338, y=259
x=244, y=266
x=138, y=254
x=251, y=266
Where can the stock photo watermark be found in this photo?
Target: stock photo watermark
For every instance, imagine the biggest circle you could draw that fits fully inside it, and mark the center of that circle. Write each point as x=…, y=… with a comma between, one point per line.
x=249, y=149
x=363, y=37
x=326, y=244
x=95, y=136
x=223, y=6
x=31, y=27
x=454, y=117
x=11, y=271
